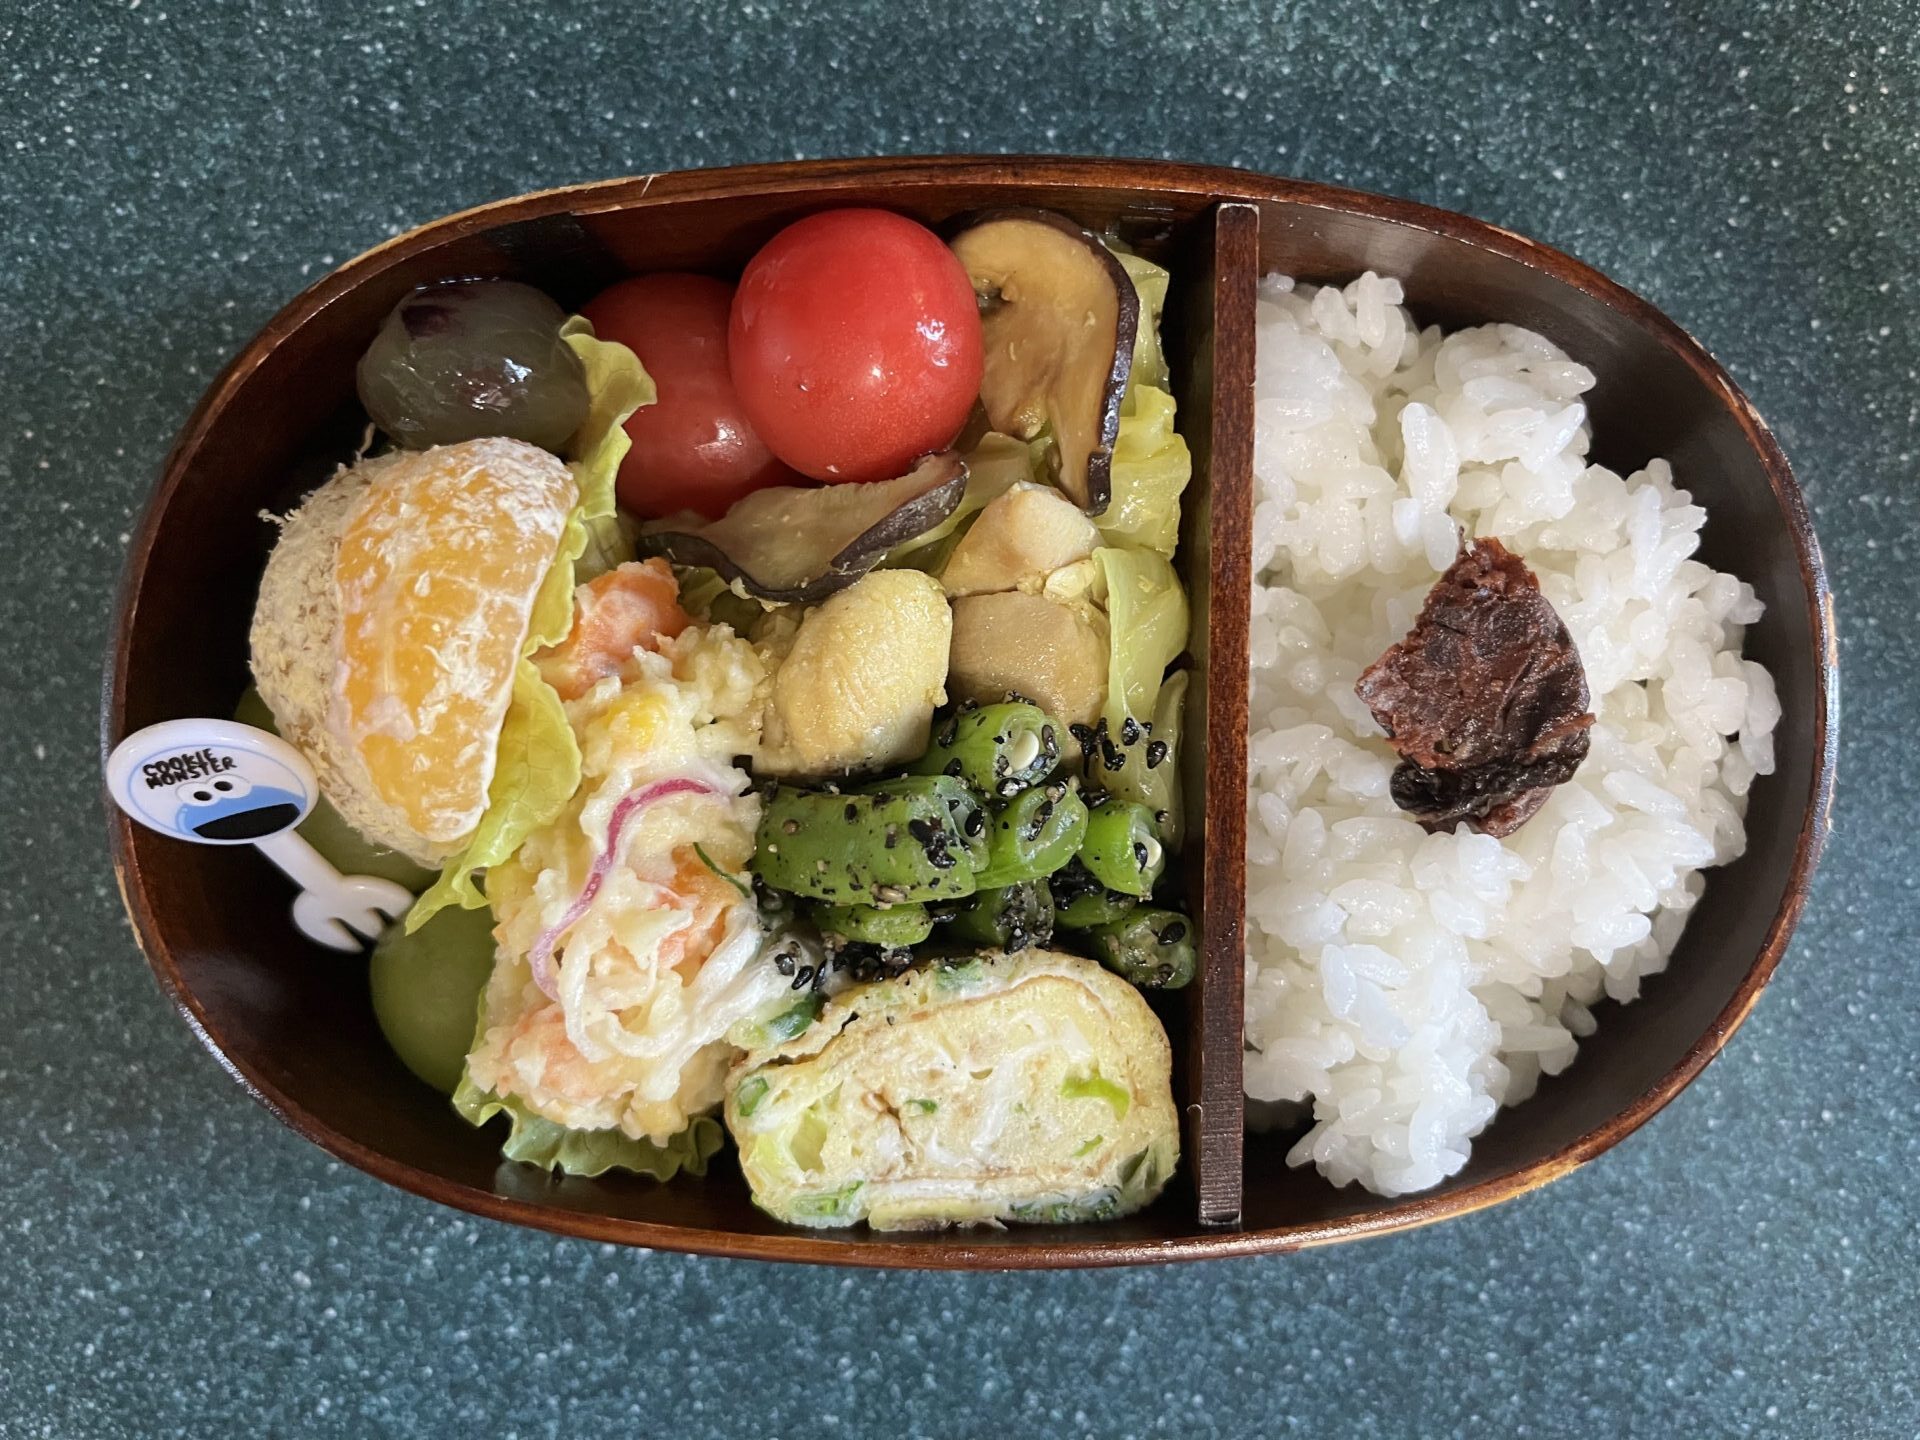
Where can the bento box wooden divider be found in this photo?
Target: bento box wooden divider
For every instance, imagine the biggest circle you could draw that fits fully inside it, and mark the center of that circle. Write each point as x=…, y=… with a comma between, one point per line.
x=1214, y=337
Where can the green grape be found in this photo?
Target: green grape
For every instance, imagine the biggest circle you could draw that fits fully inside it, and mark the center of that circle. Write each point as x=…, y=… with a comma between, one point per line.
x=426, y=991
x=470, y=360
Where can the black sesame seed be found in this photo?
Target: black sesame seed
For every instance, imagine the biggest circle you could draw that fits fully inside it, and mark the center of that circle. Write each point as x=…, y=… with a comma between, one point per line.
x=953, y=768
x=1009, y=788
x=853, y=811
x=975, y=822
x=1156, y=753
x=949, y=732
x=1129, y=731
x=1081, y=733
x=1172, y=933
x=893, y=836
x=1140, y=856
x=1160, y=817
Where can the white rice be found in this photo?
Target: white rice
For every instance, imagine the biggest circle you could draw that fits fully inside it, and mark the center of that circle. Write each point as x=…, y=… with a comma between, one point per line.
x=1407, y=985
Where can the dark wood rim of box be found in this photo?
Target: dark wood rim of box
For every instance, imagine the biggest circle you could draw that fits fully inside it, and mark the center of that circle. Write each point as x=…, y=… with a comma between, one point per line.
x=1230, y=439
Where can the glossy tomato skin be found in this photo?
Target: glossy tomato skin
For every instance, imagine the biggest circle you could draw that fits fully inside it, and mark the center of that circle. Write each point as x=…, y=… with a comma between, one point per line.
x=855, y=344
x=693, y=448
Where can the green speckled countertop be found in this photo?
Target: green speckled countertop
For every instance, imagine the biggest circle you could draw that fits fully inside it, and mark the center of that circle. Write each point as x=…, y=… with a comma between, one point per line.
x=177, y=1264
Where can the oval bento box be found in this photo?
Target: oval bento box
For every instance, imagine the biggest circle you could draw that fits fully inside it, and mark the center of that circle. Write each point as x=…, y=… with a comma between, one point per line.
x=293, y=1023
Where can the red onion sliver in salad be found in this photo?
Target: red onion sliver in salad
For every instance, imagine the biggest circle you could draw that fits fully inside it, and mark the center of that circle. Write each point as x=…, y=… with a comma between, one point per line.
x=541, y=956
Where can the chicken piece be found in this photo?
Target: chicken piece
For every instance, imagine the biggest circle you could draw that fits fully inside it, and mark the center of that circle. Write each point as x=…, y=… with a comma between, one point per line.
x=1013, y=643
x=1019, y=539
x=861, y=678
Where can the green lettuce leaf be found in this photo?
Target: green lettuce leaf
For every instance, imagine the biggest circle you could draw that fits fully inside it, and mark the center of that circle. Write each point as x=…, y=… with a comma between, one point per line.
x=617, y=385
x=537, y=765
x=536, y=770
x=1147, y=626
x=534, y=1140
x=609, y=546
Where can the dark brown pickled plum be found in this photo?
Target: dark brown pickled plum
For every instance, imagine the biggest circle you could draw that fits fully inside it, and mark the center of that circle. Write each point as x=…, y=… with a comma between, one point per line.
x=472, y=360
x=1485, y=701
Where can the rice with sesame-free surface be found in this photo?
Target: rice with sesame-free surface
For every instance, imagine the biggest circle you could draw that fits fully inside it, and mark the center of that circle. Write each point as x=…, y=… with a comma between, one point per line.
x=1403, y=986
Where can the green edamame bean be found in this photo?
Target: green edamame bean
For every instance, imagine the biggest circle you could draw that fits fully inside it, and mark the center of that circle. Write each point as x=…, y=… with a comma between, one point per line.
x=1081, y=902
x=1150, y=948
x=896, y=843
x=1000, y=750
x=1011, y=918
x=1122, y=849
x=893, y=927
x=1038, y=832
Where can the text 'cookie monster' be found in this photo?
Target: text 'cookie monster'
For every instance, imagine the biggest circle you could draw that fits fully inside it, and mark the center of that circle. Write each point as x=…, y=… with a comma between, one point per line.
x=212, y=781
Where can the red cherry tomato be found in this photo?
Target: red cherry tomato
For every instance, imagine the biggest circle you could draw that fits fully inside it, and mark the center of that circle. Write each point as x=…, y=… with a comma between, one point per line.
x=693, y=448
x=855, y=344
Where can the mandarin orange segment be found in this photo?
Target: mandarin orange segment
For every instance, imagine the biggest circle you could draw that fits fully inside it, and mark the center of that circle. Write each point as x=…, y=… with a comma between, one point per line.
x=436, y=578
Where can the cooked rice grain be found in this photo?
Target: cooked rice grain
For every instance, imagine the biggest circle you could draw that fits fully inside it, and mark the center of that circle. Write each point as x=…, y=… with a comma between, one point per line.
x=1407, y=985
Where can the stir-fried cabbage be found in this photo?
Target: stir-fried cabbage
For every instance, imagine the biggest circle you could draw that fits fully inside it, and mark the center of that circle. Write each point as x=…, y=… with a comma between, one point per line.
x=1147, y=627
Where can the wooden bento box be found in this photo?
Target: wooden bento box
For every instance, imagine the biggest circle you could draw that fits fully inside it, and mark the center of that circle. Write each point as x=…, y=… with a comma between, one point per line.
x=293, y=1024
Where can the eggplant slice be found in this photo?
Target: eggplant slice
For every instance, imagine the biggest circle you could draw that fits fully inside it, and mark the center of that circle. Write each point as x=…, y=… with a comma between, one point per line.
x=1059, y=315
x=793, y=545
